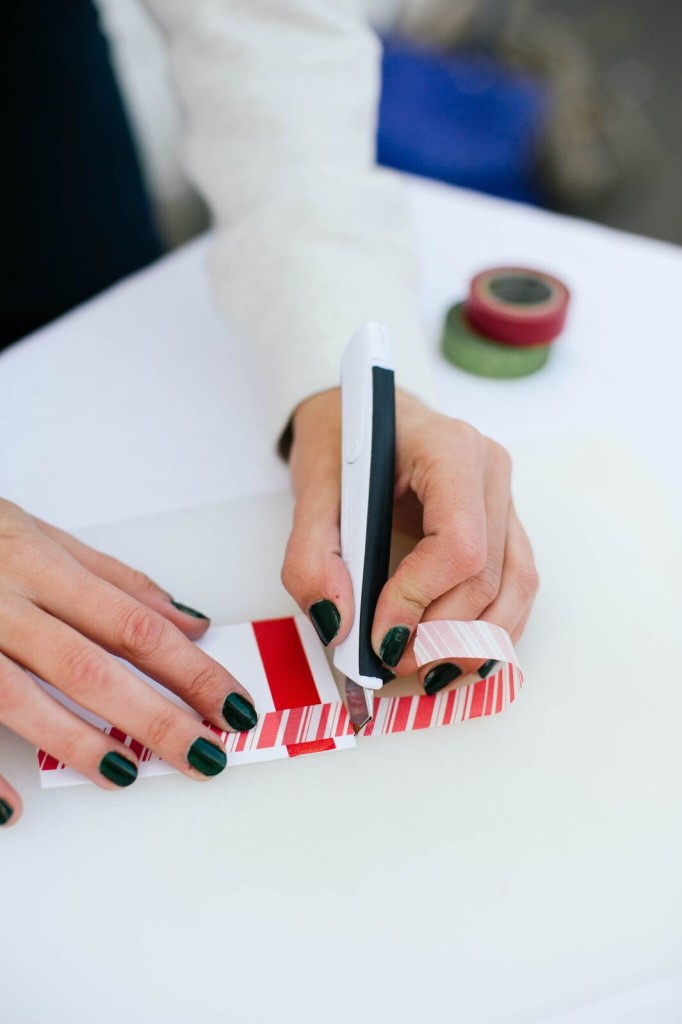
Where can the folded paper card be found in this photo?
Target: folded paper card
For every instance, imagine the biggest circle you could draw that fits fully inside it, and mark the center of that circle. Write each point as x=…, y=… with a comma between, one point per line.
x=283, y=665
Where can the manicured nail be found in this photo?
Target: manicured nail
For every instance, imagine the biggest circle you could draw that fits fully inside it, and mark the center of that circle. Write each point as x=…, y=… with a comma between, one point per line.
x=208, y=758
x=188, y=611
x=440, y=676
x=325, y=617
x=239, y=712
x=6, y=812
x=118, y=769
x=393, y=645
x=485, y=670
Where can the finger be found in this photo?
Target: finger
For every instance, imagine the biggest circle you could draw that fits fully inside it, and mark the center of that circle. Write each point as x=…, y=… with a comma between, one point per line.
x=450, y=487
x=99, y=683
x=145, y=638
x=519, y=628
x=510, y=610
x=313, y=571
x=29, y=711
x=520, y=582
x=10, y=804
x=467, y=601
x=192, y=622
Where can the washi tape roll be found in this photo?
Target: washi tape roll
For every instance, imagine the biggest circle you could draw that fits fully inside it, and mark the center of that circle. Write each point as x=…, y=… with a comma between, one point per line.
x=477, y=354
x=507, y=324
x=516, y=305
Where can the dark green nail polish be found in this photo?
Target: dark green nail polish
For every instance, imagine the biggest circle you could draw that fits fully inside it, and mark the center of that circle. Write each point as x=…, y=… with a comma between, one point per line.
x=393, y=645
x=440, y=676
x=118, y=769
x=188, y=611
x=239, y=712
x=6, y=812
x=325, y=617
x=208, y=758
x=485, y=670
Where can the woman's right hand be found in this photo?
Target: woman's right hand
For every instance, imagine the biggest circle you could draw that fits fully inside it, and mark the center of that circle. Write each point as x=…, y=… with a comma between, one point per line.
x=65, y=611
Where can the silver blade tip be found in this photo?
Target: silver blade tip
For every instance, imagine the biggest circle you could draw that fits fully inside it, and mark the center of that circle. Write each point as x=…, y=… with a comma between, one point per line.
x=359, y=705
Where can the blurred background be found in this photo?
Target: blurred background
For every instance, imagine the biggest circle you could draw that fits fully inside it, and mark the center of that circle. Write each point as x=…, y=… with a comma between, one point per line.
x=571, y=105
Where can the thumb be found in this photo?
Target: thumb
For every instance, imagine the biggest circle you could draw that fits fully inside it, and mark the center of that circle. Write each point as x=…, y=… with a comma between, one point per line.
x=313, y=571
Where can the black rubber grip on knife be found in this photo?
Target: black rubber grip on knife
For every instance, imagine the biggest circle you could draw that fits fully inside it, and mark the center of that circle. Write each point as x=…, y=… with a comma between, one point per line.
x=379, y=515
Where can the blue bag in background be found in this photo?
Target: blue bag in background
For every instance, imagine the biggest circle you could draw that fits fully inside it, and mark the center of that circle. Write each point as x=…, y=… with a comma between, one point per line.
x=461, y=118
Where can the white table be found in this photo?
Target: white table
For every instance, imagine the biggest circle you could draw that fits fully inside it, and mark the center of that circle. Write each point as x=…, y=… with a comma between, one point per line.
x=503, y=870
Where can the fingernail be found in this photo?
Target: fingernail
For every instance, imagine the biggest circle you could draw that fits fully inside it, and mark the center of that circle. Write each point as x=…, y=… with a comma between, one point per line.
x=393, y=645
x=118, y=769
x=188, y=611
x=6, y=812
x=440, y=676
x=485, y=670
x=325, y=617
x=239, y=712
x=208, y=758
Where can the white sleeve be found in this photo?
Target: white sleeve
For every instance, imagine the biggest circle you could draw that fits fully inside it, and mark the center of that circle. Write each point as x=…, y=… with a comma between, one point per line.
x=280, y=102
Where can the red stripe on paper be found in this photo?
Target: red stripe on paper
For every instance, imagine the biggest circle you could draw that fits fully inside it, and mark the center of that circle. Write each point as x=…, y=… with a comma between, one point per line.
x=242, y=740
x=313, y=747
x=269, y=730
x=292, y=726
x=477, y=699
x=286, y=666
x=425, y=709
x=324, y=718
x=49, y=762
x=489, y=692
x=344, y=726
x=450, y=704
x=136, y=747
x=116, y=734
x=402, y=713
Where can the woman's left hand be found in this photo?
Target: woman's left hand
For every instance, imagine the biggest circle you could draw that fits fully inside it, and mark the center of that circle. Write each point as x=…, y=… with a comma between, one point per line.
x=453, y=489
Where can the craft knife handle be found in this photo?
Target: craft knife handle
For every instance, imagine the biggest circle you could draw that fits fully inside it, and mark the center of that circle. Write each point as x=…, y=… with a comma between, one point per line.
x=368, y=473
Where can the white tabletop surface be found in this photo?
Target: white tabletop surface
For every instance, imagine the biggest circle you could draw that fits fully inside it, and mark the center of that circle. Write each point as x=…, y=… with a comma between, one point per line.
x=513, y=869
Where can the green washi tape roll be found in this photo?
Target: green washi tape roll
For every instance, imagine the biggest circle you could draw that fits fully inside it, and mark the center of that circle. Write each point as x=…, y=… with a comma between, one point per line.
x=477, y=354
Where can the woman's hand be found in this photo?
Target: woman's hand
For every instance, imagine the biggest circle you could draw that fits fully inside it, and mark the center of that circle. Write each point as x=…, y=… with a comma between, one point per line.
x=473, y=561
x=65, y=610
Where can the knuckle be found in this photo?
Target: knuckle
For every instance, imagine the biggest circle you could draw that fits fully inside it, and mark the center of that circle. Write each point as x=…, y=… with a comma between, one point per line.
x=468, y=556
x=161, y=727
x=71, y=746
x=142, y=583
x=527, y=580
x=141, y=633
x=202, y=687
x=10, y=693
x=485, y=587
x=462, y=432
x=413, y=596
x=13, y=521
x=500, y=456
x=83, y=669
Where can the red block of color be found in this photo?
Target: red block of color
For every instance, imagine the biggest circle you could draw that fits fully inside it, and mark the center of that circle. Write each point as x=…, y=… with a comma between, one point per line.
x=314, y=747
x=286, y=666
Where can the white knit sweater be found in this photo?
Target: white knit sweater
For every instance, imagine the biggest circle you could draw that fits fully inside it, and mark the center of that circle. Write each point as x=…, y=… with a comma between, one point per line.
x=312, y=238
